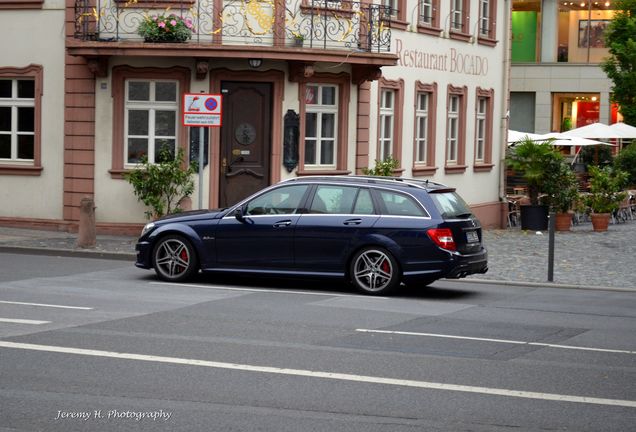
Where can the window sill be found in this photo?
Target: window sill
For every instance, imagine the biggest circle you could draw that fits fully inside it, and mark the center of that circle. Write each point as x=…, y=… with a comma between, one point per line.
x=487, y=41
x=455, y=169
x=118, y=173
x=21, y=170
x=433, y=31
x=322, y=172
x=424, y=170
x=483, y=167
x=398, y=24
x=21, y=4
x=464, y=37
x=317, y=10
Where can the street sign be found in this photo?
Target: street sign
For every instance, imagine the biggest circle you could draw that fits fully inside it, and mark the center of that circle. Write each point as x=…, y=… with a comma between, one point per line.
x=202, y=110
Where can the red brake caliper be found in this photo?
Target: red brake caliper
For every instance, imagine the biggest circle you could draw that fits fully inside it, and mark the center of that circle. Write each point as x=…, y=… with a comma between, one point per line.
x=184, y=256
x=385, y=267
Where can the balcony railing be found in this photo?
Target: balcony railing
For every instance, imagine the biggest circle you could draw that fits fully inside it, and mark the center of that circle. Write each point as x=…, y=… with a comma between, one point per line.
x=326, y=24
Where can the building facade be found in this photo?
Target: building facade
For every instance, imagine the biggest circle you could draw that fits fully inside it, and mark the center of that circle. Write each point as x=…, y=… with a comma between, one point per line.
x=306, y=88
x=557, y=83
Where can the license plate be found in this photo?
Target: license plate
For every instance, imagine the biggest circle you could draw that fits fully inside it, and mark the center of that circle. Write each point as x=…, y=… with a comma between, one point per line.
x=472, y=237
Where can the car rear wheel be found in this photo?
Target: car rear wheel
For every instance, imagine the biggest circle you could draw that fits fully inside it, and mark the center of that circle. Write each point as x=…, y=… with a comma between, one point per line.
x=374, y=271
x=174, y=259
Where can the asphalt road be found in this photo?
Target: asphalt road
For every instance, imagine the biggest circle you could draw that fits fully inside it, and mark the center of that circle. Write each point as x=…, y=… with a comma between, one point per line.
x=99, y=345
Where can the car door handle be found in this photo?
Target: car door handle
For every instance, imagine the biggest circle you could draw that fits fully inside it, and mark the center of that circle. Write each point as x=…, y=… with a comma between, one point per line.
x=353, y=222
x=282, y=224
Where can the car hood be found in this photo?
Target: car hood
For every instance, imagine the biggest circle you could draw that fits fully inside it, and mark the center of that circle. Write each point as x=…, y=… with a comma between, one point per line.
x=191, y=215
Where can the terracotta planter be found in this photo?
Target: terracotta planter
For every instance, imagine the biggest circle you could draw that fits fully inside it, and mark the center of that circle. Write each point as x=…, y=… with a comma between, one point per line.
x=600, y=221
x=563, y=221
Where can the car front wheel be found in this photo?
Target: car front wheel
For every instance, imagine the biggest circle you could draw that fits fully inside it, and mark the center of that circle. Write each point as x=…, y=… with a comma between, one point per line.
x=374, y=271
x=174, y=259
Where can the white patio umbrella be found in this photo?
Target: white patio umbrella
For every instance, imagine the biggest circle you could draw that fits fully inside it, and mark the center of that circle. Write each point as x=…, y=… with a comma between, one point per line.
x=516, y=136
x=628, y=132
x=594, y=130
x=561, y=139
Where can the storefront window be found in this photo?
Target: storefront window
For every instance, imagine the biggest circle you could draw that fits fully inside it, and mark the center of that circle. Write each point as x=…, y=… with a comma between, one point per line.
x=563, y=31
x=573, y=110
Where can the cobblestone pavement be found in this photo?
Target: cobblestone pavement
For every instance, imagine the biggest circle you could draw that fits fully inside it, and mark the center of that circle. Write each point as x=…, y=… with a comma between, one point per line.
x=582, y=257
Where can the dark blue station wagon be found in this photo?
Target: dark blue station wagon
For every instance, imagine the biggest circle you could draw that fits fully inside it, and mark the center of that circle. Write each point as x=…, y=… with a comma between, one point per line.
x=376, y=232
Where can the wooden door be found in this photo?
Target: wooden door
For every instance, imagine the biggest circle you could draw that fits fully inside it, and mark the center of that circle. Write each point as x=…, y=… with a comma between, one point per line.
x=245, y=140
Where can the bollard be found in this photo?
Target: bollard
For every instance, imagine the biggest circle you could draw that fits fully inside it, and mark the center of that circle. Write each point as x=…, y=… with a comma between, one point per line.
x=551, y=228
x=86, y=233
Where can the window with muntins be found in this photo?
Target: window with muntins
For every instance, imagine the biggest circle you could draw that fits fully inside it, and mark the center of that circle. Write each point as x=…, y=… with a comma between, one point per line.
x=17, y=120
x=151, y=112
x=387, y=113
x=452, y=134
x=457, y=16
x=422, y=129
x=321, y=125
x=480, y=128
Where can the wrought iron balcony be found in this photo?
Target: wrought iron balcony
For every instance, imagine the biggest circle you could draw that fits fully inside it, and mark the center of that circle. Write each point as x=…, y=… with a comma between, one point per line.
x=325, y=24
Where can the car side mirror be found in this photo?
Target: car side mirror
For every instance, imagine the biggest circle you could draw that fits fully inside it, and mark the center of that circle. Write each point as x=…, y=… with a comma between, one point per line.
x=239, y=213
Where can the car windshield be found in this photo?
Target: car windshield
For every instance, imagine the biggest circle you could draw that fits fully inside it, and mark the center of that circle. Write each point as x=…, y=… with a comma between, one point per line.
x=450, y=205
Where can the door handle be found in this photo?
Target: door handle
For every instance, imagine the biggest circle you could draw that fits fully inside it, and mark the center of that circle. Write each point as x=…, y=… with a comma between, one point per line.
x=353, y=222
x=224, y=165
x=282, y=224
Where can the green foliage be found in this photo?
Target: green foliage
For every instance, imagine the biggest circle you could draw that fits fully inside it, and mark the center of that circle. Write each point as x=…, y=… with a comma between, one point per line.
x=164, y=185
x=383, y=168
x=561, y=188
x=600, y=155
x=620, y=66
x=165, y=28
x=626, y=161
x=535, y=162
x=606, y=189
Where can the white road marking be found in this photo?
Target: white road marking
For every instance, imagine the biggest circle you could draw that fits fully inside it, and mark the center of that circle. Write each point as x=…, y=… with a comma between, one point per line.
x=46, y=305
x=446, y=336
x=23, y=321
x=325, y=375
x=265, y=290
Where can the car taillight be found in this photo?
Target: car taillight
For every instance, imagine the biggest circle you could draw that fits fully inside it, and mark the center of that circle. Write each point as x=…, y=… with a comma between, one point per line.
x=443, y=237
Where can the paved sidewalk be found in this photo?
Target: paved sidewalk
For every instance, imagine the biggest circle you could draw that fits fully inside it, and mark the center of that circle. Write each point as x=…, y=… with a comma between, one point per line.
x=583, y=258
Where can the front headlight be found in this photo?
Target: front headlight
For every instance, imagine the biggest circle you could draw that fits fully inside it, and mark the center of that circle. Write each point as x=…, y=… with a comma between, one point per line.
x=147, y=228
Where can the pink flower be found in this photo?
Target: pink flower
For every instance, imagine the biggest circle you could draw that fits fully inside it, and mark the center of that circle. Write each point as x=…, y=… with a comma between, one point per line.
x=188, y=23
x=162, y=24
x=173, y=23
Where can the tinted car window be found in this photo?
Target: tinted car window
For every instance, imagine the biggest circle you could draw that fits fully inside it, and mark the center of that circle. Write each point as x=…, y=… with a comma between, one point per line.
x=283, y=200
x=364, y=203
x=450, y=205
x=333, y=200
x=398, y=204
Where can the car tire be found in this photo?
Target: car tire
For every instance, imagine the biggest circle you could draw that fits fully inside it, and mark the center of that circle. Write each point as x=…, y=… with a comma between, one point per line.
x=373, y=270
x=174, y=259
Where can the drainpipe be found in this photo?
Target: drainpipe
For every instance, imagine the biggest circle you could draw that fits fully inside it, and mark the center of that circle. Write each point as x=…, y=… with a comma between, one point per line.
x=505, y=109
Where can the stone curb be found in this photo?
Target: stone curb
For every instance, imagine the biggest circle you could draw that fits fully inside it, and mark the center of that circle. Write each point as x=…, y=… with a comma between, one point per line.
x=77, y=253
x=545, y=284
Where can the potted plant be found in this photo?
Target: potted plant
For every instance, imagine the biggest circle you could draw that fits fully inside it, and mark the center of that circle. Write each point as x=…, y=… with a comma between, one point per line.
x=298, y=39
x=606, y=193
x=165, y=28
x=561, y=193
x=534, y=161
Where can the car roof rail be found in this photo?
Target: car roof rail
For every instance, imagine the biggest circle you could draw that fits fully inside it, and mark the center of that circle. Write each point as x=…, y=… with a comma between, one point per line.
x=409, y=182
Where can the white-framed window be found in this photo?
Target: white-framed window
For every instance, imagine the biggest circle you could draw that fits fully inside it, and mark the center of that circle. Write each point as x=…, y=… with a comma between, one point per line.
x=452, y=134
x=421, y=130
x=457, y=18
x=426, y=12
x=481, y=128
x=17, y=119
x=150, y=120
x=387, y=116
x=394, y=5
x=484, y=18
x=321, y=125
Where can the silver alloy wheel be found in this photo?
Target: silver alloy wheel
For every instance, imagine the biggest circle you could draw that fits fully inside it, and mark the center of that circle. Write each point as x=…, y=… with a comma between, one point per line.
x=172, y=258
x=373, y=270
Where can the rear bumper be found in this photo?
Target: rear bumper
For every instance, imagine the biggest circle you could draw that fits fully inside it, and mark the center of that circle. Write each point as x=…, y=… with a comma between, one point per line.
x=453, y=266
